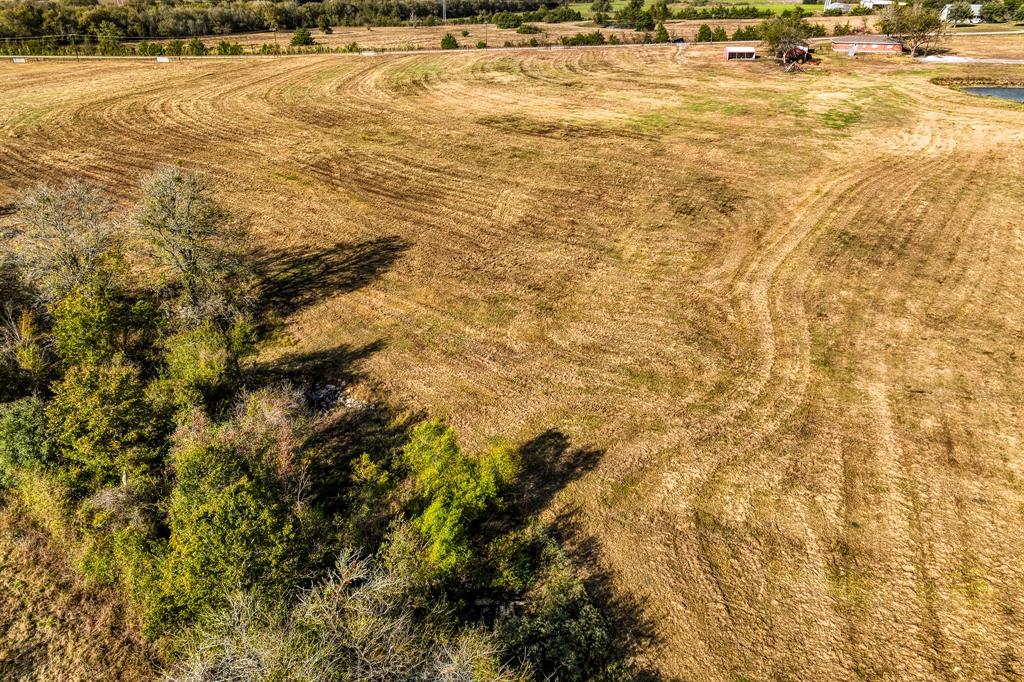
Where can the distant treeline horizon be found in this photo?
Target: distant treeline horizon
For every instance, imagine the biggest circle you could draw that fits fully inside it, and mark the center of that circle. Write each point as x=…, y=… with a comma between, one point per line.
x=57, y=18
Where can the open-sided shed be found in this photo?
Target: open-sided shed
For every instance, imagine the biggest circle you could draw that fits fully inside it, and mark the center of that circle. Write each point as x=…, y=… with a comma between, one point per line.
x=740, y=52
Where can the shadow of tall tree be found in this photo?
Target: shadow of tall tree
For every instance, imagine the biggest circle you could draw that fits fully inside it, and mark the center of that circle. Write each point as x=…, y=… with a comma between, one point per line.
x=298, y=278
x=315, y=369
x=634, y=633
x=550, y=463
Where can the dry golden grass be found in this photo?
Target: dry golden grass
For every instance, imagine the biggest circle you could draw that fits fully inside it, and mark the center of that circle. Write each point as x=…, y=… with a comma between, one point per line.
x=53, y=626
x=786, y=309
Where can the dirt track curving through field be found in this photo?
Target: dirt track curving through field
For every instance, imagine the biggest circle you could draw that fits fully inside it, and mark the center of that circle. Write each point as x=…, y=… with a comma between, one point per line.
x=786, y=310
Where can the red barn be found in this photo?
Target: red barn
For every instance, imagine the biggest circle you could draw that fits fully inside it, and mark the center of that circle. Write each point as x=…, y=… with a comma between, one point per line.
x=867, y=44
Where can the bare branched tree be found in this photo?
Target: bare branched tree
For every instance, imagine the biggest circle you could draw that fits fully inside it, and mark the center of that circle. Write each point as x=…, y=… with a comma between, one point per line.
x=198, y=244
x=354, y=626
x=22, y=342
x=64, y=233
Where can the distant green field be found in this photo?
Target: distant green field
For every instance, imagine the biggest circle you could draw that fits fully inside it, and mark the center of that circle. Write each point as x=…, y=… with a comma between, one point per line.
x=1008, y=27
x=777, y=7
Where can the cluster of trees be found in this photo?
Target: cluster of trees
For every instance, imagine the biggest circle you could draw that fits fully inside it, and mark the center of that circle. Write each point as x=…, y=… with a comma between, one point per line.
x=301, y=42
x=705, y=34
x=173, y=19
x=635, y=15
x=557, y=15
x=780, y=32
x=132, y=427
x=993, y=12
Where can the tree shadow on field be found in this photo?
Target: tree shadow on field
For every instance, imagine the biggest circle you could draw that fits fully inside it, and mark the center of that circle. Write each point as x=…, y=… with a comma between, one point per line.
x=633, y=631
x=549, y=464
x=332, y=366
x=298, y=278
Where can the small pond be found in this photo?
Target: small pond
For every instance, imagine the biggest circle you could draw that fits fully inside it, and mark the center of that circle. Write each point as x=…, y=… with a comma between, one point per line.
x=1012, y=94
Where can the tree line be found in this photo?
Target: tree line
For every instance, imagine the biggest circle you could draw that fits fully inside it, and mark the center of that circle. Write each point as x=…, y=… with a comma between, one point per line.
x=258, y=529
x=32, y=18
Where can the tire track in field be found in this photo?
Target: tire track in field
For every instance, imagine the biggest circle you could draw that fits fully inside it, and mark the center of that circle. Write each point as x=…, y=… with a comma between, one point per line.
x=762, y=277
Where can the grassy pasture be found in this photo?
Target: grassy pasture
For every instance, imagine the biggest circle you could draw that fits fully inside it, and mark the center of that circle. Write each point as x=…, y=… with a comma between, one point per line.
x=776, y=317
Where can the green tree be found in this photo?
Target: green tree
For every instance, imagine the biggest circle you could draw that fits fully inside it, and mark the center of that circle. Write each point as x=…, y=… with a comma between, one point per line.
x=559, y=632
x=662, y=35
x=453, y=490
x=323, y=23
x=235, y=508
x=959, y=12
x=196, y=48
x=784, y=33
x=100, y=320
x=601, y=6
x=104, y=426
x=448, y=42
x=302, y=37
x=915, y=26
x=24, y=441
x=994, y=12
x=108, y=36
x=704, y=34
x=719, y=35
x=198, y=370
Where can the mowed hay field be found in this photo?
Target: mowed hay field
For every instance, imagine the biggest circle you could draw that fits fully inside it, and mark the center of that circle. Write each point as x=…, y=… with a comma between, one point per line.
x=777, y=317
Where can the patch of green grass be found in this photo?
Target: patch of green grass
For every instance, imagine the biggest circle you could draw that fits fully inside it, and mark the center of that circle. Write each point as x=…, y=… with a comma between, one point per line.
x=839, y=119
x=292, y=178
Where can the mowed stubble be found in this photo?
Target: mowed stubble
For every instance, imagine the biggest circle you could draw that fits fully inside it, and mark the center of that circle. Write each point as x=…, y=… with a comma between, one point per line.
x=783, y=310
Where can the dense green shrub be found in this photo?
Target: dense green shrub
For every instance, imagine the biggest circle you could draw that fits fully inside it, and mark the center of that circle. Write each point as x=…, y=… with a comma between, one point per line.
x=233, y=511
x=507, y=20
x=595, y=38
x=301, y=37
x=453, y=490
x=227, y=49
x=746, y=33
x=106, y=429
x=704, y=34
x=25, y=443
x=527, y=29
x=448, y=42
x=99, y=320
x=559, y=632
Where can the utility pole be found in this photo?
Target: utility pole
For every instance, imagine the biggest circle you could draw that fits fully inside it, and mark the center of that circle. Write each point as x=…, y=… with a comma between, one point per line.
x=444, y=12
